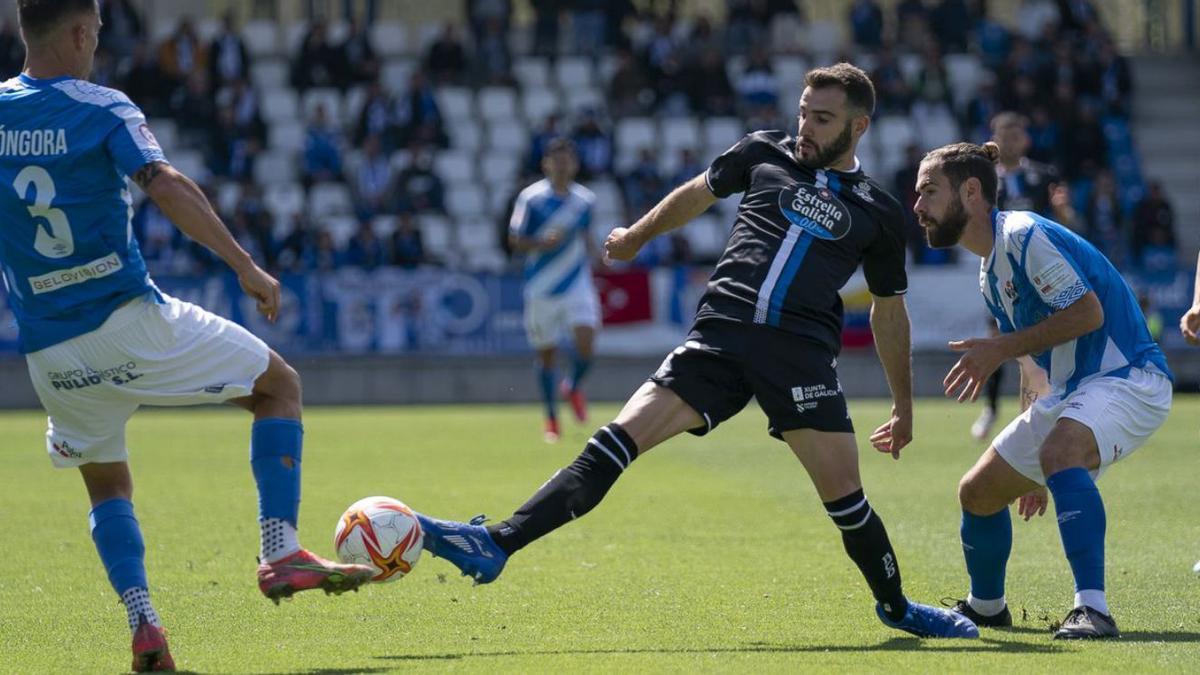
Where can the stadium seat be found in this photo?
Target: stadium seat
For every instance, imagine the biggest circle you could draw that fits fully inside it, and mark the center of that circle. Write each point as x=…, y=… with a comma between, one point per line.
x=608, y=194
x=465, y=136
x=269, y=74
x=329, y=199
x=167, y=133
x=824, y=40
x=454, y=166
x=229, y=193
x=497, y=103
x=467, y=202
x=573, y=72
x=485, y=260
x=497, y=168
x=331, y=99
x=340, y=227
x=893, y=133
x=910, y=66
x=478, y=235
x=389, y=38
x=383, y=226
x=457, y=103
x=537, y=105
x=284, y=200
x=425, y=34
x=287, y=137
x=787, y=36
x=938, y=130
x=679, y=132
x=273, y=168
x=789, y=68
x=499, y=193
x=531, y=73
x=965, y=73
x=706, y=236
x=437, y=234
x=279, y=105
x=261, y=38
x=293, y=36
x=352, y=103
x=720, y=133
x=191, y=164
x=579, y=100
x=635, y=133
x=395, y=74
x=507, y=137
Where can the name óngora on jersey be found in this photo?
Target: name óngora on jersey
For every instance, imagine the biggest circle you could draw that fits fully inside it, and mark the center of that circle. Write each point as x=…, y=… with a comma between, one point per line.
x=32, y=142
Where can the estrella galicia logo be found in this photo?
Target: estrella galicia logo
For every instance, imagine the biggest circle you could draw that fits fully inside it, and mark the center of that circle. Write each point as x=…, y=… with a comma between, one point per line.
x=816, y=210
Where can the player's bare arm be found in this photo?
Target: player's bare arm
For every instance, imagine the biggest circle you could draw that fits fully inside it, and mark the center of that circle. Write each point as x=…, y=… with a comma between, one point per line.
x=185, y=204
x=1034, y=385
x=893, y=342
x=982, y=356
x=526, y=244
x=675, y=210
x=1189, y=323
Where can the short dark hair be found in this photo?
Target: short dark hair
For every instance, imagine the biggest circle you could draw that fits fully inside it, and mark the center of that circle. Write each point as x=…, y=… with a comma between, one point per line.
x=39, y=17
x=960, y=161
x=560, y=144
x=860, y=93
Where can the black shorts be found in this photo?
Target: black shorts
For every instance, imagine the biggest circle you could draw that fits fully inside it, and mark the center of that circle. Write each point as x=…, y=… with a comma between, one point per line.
x=722, y=365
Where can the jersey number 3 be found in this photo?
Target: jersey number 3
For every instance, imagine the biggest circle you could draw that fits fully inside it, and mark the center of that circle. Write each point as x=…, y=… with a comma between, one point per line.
x=58, y=242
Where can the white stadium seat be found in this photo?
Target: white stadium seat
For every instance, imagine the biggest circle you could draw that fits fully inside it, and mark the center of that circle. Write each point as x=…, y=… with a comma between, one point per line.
x=330, y=98
x=507, y=136
x=532, y=73
x=454, y=166
x=167, y=133
x=722, y=132
x=340, y=227
x=287, y=137
x=635, y=133
x=894, y=132
x=497, y=103
x=467, y=201
x=680, y=132
x=268, y=74
x=284, y=199
x=538, y=104
x=279, y=105
x=261, y=38
x=498, y=170
x=389, y=38
x=437, y=234
x=277, y=167
x=706, y=236
x=465, y=135
x=589, y=98
x=395, y=74
x=229, y=193
x=573, y=72
x=329, y=199
x=478, y=235
x=456, y=103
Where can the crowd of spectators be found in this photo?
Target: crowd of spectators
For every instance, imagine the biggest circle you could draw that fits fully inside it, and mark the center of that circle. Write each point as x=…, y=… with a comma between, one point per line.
x=1058, y=64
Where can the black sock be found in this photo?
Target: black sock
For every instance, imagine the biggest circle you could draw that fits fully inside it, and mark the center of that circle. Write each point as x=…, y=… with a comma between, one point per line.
x=866, y=542
x=571, y=492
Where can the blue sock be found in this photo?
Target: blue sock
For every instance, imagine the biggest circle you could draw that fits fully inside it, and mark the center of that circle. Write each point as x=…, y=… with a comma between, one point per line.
x=119, y=541
x=987, y=543
x=1081, y=523
x=275, y=449
x=548, y=379
x=582, y=366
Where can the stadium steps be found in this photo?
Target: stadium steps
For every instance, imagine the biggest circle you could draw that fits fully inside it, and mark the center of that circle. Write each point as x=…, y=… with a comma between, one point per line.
x=1167, y=130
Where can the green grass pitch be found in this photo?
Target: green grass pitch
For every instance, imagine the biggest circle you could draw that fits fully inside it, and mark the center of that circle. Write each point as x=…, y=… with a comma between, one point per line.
x=709, y=555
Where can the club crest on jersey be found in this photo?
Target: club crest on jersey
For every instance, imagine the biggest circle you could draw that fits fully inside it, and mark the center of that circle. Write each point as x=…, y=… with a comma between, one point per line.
x=863, y=192
x=1010, y=290
x=816, y=210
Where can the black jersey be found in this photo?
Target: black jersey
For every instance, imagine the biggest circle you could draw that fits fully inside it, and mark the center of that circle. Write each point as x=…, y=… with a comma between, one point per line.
x=1026, y=188
x=800, y=234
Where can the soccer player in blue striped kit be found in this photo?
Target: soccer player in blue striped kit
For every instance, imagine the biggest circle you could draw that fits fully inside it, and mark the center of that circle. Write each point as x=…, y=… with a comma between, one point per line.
x=101, y=340
x=768, y=328
x=1060, y=301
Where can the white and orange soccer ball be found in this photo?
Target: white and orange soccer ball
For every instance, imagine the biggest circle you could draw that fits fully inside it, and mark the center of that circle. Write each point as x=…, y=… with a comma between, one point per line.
x=381, y=532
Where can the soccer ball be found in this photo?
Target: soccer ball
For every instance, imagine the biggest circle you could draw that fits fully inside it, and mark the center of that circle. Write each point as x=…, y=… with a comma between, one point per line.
x=381, y=532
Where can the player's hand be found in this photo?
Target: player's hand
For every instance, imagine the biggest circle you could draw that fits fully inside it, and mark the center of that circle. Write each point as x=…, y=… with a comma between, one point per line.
x=1033, y=503
x=263, y=288
x=1189, y=325
x=893, y=434
x=551, y=241
x=966, y=379
x=622, y=244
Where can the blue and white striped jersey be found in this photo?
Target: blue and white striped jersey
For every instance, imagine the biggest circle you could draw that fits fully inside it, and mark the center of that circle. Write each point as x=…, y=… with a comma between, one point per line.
x=67, y=249
x=1038, y=267
x=538, y=211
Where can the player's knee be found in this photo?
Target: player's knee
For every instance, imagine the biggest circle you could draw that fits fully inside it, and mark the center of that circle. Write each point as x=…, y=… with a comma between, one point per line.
x=1055, y=458
x=279, y=390
x=974, y=496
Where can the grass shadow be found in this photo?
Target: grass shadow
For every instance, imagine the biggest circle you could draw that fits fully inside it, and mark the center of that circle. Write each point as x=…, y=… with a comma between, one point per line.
x=1158, y=636
x=895, y=644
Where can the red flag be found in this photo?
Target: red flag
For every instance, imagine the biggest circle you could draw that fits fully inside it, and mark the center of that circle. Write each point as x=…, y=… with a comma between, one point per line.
x=624, y=295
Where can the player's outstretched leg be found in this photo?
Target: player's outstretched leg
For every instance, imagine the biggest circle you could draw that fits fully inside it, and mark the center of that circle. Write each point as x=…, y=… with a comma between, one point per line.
x=481, y=552
x=275, y=453
x=118, y=539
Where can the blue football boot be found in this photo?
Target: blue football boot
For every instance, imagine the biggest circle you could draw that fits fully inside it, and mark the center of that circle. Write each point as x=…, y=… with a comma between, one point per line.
x=467, y=546
x=931, y=622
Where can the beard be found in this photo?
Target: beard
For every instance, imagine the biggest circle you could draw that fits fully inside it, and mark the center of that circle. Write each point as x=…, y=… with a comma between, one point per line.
x=946, y=232
x=826, y=155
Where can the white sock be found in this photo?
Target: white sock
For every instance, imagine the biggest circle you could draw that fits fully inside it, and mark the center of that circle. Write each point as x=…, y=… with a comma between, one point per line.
x=1093, y=599
x=986, y=607
x=137, y=605
x=278, y=539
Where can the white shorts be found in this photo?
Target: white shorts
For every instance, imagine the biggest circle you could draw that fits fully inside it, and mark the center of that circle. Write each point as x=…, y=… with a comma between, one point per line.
x=1121, y=412
x=547, y=320
x=147, y=353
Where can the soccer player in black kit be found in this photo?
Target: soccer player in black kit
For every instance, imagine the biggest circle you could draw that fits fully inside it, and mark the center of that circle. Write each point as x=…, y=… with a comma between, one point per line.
x=768, y=328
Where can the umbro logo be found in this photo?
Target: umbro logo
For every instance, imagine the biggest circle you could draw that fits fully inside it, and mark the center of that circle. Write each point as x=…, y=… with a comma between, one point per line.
x=1067, y=516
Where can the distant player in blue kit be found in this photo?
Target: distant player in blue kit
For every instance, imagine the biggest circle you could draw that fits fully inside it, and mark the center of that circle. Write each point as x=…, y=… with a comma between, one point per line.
x=550, y=222
x=101, y=340
x=769, y=329
x=1060, y=301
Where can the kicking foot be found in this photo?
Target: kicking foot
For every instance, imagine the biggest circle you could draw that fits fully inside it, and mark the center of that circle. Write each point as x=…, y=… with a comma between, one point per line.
x=931, y=622
x=302, y=571
x=467, y=546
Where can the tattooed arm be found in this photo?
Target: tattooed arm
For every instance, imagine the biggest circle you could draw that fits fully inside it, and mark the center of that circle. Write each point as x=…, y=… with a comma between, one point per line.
x=1034, y=384
x=184, y=203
